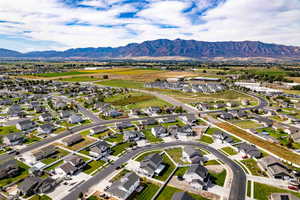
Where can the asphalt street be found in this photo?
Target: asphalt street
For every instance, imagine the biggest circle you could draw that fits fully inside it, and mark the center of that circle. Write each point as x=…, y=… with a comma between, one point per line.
x=237, y=190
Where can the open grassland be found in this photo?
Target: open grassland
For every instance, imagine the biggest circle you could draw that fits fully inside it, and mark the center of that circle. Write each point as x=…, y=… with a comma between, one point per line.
x=262, y=191
x=135, y=100
x=81, y=79
x=271, y=147
x=246, y=124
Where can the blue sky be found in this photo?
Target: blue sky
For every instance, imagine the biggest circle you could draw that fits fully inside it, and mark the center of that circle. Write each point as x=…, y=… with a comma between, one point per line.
x=30, y=25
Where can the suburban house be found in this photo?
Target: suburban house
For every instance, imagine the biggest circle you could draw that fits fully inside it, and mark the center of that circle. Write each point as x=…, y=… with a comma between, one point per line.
x=74, y=119
x=45, y=117
x=69, y=141
x=123, y=188
x=98, y=129
x=245, y=102
x=192, y=155
x=249, y=150
x=25, y=125
x=239, y=113
x=188, y=119
x=197, y=176
x=13, y=139
x=45, y=152
x=275, y=168
x=123, y=125
x=221, y=137
x=133, y=135
x=101, y=149
x=153, y=110
x=112, y=113
x=152, y=165
x=185, y=131
x=219, y=105
x=65, y=114
x=159, y=131
x=72, y=165
x=181, y=196
x=148, y=122
x=232, y=104
x=296, y=137
x=226, y=116
x=46, y=129
x=168, y=120
x=262, y=120
x=9, y=168
x=33, y=185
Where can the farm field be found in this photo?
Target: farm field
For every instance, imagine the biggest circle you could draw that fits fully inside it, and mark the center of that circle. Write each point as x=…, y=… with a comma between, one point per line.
x=58, y=74
x=274, y=148
x=81, y=79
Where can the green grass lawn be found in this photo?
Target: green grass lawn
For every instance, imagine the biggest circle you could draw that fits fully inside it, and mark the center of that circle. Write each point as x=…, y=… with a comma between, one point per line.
x=246, y=124
x=101, y=135
x=40, y=197
x=4, y=130
x=175, y=154
x=31, y=139
x=57, y=74
x=150, y=137
x=92, y=166
x=211, y=130
x=218, y=178
x=54, y=166
x=141, y=157
x=168, y=169
x=253, y=167
x=115, y=138
x=121, y=83
x=148, y=192
x=80, y=79
x=262, y=191
x=206, y=139
x=85, y=133
x=248, y=188
x=229, y=151
x=23, y=174
x=61, y=153
x=120, y=148
x=178, y=122
x=211, y=162
x=181, y=171
x=168, y=192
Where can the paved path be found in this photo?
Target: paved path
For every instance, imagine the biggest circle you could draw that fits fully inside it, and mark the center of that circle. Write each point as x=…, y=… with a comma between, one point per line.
x=238, y=187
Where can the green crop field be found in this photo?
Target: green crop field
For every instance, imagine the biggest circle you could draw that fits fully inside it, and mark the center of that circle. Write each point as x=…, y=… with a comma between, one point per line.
x=62, y=74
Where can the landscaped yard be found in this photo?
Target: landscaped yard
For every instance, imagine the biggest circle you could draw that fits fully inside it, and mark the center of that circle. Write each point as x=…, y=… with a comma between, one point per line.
x=60, y=153
x=115, y=138
x=101, y=135
x=23, y=174
x=168, y=192
x=81, y=144
x=40, y=197
x=92, y=166
x=175, y=154
x=229, y=151
x=120, y=148
x=4, y=130
x=148, y=192
x=181, y=171
x=211, y=162
x=218, y=178
x=150, y=137
x=246, y=124
x=262, y=191
x=141, y=157
x=206, y=139
x=253, y=167
x=168, y=169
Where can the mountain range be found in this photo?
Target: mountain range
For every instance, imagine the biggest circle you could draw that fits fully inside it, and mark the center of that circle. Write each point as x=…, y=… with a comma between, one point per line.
x=170, y=48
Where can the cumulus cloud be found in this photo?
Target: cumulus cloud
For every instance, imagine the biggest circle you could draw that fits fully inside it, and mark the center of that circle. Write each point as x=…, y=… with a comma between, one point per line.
x=55, y=24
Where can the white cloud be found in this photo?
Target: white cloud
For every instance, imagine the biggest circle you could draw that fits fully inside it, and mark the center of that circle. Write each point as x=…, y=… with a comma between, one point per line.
x=275, y=21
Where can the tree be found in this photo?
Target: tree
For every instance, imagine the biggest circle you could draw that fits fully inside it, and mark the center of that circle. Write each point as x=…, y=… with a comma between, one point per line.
x=80, y=195
x=105, y=76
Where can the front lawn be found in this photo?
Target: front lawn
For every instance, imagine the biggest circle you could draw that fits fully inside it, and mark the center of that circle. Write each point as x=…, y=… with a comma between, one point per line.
x=119, y=148
x=92, y=166
x=54, y=166
x=253, y=167
x=230, y=151
x=207, y=139
x=141, y=157
x=23, y=174
x=40, y=197
x=85, y=142
x=115, y=138
x=181, y=171
x=5, y=130
x=211, y=162
x=262, y=191
x=168, y=169
x=60, y=153
x=211, y=130
x=148, y=192
x=175, y=154
x=150, y=137
x=218, y=178
x=168, y=192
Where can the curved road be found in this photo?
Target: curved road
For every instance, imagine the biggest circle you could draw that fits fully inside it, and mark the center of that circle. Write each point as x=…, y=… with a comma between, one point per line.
x=238, y=186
